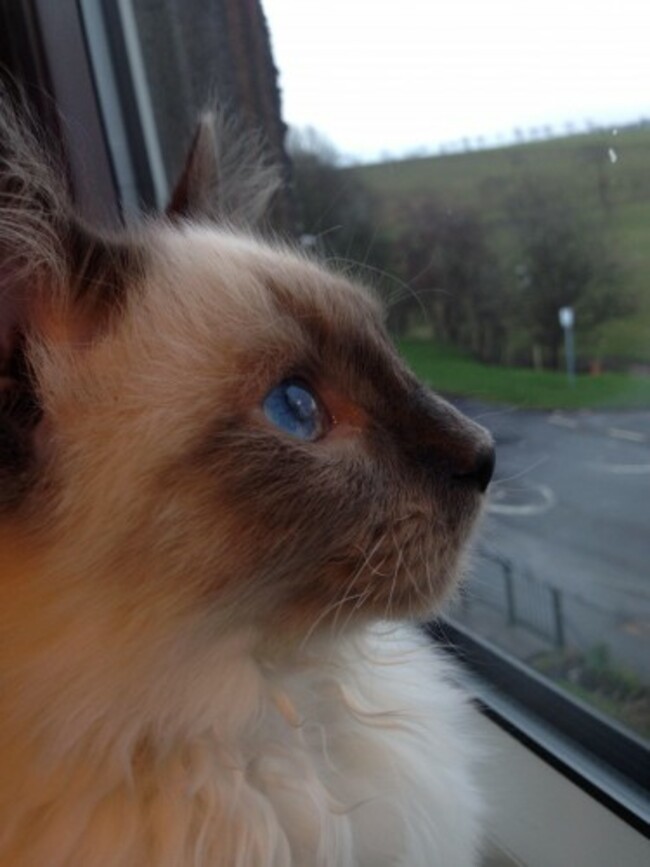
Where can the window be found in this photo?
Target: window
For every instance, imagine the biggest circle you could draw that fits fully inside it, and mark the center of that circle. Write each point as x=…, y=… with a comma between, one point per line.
x=496, y=162
x=489, y=167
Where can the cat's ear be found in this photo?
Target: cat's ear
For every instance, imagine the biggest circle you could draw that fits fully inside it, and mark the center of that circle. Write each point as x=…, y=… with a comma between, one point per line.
x=227, y=175
x=49, y=258
x=60, y=282
x=197, y=190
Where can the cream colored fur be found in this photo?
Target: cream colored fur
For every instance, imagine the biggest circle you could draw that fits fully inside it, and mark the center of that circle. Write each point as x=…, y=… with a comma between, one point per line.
x=354, y=753
x=169, y=695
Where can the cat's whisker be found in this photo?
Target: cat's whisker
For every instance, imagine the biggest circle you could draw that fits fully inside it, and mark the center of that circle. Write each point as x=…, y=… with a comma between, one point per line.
x=429, y=573
x=339, y=603
x=370, y=243
x=360, y=602
x=415, y=583
x=498, y=483
x=380, y=272
x=365, y=565
x=348, y=597
x=396, y=572
x=324, y=615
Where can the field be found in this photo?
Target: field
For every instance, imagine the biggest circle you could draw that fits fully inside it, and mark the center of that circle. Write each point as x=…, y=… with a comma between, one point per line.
x=606, y=173
x=452, y=373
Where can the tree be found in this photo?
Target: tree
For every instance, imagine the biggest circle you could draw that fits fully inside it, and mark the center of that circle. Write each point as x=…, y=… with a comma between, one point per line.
x=447, y=260
x=564, y=258
x=337, y=212
x=595, y=154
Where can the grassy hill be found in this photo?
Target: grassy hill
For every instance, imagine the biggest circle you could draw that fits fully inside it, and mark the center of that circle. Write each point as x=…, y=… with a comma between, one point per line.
x=605, y=173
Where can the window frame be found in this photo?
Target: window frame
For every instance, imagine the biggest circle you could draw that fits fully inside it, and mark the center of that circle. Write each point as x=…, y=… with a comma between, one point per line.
x=46, y=54
x=604, y=760
x=125, y=102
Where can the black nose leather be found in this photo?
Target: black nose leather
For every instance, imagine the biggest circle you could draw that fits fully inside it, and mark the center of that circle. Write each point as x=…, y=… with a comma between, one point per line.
x=481, y=473
x=447, y=444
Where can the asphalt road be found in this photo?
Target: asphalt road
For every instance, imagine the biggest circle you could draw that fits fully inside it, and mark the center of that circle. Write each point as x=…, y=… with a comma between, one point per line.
x=570, y=508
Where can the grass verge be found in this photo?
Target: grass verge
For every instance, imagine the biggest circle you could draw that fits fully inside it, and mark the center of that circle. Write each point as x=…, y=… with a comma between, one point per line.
x=449, y=371
x=592, y=677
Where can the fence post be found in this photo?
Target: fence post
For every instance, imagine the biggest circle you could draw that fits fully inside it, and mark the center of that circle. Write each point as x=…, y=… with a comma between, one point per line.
x=556, y=598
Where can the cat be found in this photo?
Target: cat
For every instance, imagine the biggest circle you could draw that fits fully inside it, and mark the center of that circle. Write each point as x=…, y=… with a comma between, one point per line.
x=223, y=497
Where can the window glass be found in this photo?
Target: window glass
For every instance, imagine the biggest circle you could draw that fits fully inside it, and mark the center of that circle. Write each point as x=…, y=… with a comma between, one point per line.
x=487, y=166
x=199, y=53
x=492, y=163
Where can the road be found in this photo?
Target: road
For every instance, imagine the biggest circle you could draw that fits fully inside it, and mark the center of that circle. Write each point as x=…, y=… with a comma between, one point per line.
x=570, y=507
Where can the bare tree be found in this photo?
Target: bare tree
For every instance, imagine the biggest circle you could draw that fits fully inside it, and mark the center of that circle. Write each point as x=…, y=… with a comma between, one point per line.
x=337, y=212
x=564, y=258
x=446, y=258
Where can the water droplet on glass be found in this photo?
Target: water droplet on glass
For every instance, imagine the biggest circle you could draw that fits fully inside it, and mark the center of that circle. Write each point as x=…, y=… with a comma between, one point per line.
x=613, y=156
x=614, y=132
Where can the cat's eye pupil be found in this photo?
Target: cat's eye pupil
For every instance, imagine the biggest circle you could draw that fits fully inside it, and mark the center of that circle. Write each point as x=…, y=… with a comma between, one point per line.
x=293, y=408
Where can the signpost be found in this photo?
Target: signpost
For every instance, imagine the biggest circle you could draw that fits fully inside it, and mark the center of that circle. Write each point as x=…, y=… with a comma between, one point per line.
x=567, y=319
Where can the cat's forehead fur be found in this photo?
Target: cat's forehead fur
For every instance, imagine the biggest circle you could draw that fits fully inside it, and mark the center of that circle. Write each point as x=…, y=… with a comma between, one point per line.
x=229, y=315
x=248, y=289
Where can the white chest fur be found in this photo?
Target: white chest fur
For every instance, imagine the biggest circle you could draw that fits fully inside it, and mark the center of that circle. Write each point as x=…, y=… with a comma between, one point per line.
x=359, y=759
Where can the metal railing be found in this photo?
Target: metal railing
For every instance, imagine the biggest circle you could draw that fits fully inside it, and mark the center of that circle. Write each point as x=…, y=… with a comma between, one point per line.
x=523, y=599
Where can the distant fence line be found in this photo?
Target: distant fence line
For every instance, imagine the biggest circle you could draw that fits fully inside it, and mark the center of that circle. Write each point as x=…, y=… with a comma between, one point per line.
x=561, y=617
x=523, y=599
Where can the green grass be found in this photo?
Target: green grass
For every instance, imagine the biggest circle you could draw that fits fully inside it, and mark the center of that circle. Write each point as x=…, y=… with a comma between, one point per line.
x=635, y=718
x=453, y=373
x=580, y=165
x=479, y=177
x=593, y=678
x=627, y=338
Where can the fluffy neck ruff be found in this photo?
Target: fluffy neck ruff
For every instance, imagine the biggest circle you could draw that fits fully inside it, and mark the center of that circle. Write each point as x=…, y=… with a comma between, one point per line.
x=200, y=751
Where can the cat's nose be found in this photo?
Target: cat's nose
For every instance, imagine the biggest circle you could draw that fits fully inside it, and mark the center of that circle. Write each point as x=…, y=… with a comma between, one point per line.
x=482, y=469
x=465, y=457
x=448, y=445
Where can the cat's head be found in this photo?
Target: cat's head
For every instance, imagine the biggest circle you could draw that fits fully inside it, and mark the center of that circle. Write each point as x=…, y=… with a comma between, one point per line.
x=193, y=419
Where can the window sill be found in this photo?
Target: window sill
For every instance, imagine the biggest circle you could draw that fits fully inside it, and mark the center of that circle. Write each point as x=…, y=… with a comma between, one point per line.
x=573, y=755
x=538, y=817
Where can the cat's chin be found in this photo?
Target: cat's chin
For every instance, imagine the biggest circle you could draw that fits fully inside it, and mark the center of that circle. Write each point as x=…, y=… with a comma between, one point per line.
x=422, y=569
x=392, y=598
x=405, y=570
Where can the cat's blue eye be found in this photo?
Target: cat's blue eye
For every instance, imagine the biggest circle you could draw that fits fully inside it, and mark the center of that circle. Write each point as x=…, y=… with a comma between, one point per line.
x=294, y=408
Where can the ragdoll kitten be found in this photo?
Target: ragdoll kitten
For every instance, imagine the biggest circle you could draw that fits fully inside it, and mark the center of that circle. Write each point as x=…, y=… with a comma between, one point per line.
x=216, y=478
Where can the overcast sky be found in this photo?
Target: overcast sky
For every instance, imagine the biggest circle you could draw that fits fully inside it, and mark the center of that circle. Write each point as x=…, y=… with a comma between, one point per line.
x=380, y=76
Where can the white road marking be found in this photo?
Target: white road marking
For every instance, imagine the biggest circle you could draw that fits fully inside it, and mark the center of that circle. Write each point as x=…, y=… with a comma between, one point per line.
x=632, y=436
x=623, y=469
x=542, y=494
x=562, y=420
